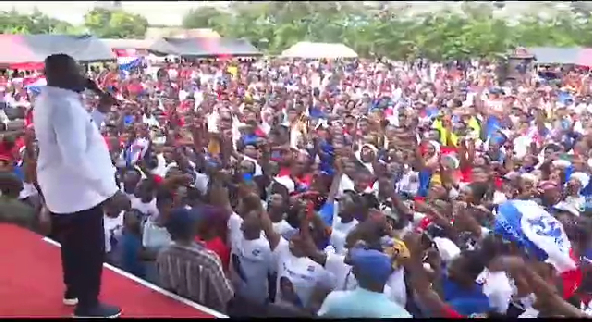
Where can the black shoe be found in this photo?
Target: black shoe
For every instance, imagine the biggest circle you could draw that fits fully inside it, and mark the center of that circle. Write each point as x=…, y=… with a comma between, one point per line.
x=99, y=311
x=69, y=298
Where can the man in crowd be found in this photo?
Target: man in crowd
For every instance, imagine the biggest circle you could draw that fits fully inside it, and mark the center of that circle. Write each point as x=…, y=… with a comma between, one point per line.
x=188, y=268
x=372, y=269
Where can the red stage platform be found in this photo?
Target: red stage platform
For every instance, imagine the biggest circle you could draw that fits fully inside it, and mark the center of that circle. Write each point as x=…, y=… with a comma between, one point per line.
x=31, y=284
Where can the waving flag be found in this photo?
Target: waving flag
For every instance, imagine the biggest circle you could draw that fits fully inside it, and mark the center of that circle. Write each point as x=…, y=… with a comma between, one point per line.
x=532, y=227
x=136, y=151
x=127, y=60
x=34, y=84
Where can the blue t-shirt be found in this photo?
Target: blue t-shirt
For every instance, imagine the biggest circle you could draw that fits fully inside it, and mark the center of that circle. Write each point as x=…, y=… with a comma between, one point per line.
x=128, y=119
x=587, y=190
x=18, y=171
x=326, y=213
x=360, y=303
x=249, y=139
x=326, y=157
x=588, y=254
x=465, y=301
x=424, y=178
x=131, y=246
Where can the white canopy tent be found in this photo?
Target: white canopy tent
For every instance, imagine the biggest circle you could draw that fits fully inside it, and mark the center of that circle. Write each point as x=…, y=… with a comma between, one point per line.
x=312, y=50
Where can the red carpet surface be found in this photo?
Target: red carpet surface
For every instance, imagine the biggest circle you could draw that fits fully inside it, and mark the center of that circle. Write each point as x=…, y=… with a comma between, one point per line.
x=31, y=284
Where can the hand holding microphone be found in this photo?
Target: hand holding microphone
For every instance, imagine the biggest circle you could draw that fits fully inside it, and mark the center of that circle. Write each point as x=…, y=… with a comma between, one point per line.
x=106, y=99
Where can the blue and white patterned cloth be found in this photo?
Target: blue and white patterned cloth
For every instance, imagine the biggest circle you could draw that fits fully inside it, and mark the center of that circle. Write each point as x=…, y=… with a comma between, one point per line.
x=530, y=226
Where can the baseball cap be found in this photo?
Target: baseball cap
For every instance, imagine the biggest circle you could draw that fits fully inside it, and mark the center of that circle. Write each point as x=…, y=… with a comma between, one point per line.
x=372, y=265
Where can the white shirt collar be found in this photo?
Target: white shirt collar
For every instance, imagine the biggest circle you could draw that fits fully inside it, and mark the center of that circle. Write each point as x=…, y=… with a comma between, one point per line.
x=53, y=90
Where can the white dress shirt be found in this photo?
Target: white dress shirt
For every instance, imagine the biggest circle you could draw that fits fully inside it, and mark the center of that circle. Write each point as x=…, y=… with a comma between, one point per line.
x=74, y=168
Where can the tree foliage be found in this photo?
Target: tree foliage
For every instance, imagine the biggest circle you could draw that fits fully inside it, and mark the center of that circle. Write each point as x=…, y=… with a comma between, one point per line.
x=100, y=22
x=13, y=22
x=389, y=31
x=106, y=23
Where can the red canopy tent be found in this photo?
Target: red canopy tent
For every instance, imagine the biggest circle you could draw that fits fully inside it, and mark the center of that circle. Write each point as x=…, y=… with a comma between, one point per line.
x=28, y=52
x=17, y=54
x=585, y=58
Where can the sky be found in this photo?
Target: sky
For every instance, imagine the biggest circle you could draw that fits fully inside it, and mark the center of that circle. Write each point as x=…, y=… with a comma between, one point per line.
x=172, y=12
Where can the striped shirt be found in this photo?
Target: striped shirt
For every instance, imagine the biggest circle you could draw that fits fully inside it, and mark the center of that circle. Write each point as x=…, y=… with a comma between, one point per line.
x=194, y=272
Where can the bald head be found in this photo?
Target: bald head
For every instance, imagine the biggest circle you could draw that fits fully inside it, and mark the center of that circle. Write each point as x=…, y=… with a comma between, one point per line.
x=58, y=64
x=63, y=71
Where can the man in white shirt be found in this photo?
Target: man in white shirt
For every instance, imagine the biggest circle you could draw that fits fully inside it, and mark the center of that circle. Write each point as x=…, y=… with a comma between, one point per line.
x=372, y=269
x=73, y=155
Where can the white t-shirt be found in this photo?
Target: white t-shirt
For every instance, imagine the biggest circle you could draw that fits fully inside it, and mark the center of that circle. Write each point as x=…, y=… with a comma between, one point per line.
x=201, y=183
x=149, y=209
x=155, y=236
x=297, y=277
x=588, y=308
x=182, y=95
x=205, y=78
x=138, y=149
x=198, y=98
x=339, y=232
x=250, y=262
x=283, y=228
x=345, y=184
x=151, y=121
x=3, y=117
x=344, y=279
x=521, y=144
x=495, y=106
x=498, y=288
x=29, y=190
x=315, y=80
x=113, y=227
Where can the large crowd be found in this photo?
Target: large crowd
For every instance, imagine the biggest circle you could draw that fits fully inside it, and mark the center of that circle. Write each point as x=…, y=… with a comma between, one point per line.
x=333, y=188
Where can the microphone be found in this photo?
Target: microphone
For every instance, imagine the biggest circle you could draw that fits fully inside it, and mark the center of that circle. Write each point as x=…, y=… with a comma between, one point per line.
x=93, y=86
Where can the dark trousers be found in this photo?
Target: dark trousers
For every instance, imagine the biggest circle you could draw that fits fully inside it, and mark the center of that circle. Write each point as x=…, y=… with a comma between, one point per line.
x=81, y=235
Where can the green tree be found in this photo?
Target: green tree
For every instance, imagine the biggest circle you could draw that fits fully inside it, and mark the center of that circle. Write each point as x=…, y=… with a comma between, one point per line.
x=106, y=23
x=13, y=22
x=388, y=30
x=201, y=18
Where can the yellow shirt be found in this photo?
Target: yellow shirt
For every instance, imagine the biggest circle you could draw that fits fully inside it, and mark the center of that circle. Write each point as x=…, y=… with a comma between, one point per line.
x=445, y=136
x=232, y=70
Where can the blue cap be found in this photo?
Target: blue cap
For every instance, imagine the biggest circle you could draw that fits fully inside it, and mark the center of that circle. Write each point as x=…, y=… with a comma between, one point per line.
x=182, y=222
x=248, y=177
x=373, y=264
